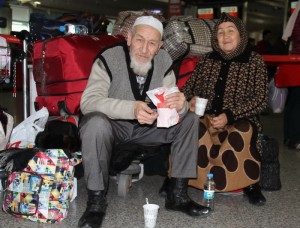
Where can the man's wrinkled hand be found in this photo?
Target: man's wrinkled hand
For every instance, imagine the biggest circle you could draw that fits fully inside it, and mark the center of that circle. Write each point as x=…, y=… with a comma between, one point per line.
x=144, y=114
x=175, y=100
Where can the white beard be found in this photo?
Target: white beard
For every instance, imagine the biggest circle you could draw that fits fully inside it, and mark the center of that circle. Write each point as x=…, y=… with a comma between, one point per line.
x=140, y=69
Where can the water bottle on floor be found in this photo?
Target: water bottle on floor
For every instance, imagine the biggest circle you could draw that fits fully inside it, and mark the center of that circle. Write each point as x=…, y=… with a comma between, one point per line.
x=209, y=191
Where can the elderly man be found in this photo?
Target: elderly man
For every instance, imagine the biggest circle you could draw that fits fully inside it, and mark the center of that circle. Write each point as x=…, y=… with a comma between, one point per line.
x=116, y=111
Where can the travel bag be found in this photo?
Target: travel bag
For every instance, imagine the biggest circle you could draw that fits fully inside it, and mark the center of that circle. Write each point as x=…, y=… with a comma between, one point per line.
x=61, y=67
x=270, y=166
x=183, y=69
x=127, y=18
x=287, y=73
x=186, y=35
x=43, y=190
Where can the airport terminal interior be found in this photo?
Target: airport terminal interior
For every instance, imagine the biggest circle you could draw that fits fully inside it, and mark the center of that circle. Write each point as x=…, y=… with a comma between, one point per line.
x=232, y=209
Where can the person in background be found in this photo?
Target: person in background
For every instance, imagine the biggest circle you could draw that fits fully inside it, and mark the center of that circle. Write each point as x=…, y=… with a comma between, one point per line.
x=116, y=111
x=280, y=46
x=264, y=47
x=234, y=80
x=292, y=108
x=251, y=42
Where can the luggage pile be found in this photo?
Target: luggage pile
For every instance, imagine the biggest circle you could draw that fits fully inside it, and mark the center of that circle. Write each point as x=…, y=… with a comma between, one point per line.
x=61, y=67
x=61, y=73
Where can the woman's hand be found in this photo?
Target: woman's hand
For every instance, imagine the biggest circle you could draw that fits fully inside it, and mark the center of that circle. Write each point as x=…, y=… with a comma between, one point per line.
x=218, y=122
x=192, y=104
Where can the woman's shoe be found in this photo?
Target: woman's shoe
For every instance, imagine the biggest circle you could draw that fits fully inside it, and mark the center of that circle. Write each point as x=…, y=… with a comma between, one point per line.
x=254, y=194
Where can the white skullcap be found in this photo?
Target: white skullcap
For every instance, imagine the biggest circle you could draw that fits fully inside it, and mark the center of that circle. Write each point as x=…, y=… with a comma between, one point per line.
x=151, y=21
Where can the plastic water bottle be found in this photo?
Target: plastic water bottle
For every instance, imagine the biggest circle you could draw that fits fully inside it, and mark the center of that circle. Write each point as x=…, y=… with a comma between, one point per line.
x=209, y=191
x=73, y=29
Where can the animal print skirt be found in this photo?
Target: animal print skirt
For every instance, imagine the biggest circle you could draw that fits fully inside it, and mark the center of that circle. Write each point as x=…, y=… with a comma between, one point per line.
x=230, y=154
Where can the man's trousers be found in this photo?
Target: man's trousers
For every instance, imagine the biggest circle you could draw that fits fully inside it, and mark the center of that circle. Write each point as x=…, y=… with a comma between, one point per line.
x=99, y=133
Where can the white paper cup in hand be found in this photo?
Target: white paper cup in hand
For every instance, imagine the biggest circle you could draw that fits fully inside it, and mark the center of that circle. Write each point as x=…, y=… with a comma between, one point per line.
x=200, y=106
x=150, y=214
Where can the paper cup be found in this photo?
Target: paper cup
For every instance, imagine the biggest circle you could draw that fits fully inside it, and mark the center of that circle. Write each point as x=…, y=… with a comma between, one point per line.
x=200, y=106
x=150, y=215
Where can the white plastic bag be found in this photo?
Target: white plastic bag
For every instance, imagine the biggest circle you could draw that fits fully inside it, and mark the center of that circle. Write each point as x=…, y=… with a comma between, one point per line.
x=277, y=97
x=5, y=135
x=24, y=134
x=167, y=117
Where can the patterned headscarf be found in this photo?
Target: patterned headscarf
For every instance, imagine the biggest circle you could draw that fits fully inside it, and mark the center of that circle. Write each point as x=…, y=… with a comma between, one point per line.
x=243, y=34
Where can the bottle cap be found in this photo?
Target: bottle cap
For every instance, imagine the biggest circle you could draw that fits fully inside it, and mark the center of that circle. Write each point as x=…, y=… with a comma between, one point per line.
x=210, y=175
x=62, y=28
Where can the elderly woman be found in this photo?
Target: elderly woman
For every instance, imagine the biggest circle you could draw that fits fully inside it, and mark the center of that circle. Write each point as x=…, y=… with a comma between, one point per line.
x=234, y=80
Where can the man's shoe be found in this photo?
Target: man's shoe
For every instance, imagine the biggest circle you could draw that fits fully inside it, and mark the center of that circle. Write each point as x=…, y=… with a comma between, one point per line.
x=178, y=200
x=254, y=194
x=163, y=191
x=95, y=210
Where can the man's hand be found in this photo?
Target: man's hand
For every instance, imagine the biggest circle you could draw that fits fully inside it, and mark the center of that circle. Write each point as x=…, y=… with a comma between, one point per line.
x=218, y=122
x=144, y=114
x=175, y=100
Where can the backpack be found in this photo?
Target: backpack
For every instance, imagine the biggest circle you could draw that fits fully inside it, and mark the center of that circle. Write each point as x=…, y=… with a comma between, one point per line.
x=43, y=190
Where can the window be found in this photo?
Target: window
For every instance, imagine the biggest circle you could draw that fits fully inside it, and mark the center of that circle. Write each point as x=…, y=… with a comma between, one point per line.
x=18, y=26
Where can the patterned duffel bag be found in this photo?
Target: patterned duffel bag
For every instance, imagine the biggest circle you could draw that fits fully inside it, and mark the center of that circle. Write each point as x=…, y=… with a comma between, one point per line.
x=43, y=190
x=187, y=36
x=127, y=18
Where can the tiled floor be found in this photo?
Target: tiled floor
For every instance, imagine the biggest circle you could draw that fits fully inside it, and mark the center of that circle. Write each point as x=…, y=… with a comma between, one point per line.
x=281, y=210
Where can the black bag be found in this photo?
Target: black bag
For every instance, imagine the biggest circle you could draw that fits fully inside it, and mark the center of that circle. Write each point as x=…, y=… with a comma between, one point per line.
x=61, y=134
x=15, y=159
x=154, y=158
x=270, y=166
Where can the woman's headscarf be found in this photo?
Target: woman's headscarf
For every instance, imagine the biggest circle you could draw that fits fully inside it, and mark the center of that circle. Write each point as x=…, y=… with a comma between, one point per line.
x=243, y=34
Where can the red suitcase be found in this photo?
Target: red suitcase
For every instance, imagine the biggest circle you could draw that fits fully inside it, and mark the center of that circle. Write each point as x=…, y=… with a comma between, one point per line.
x=184, y=69
x=61, y=67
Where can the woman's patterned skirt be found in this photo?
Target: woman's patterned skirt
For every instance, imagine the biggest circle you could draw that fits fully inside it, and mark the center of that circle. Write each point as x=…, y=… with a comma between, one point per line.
x=230, y=154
